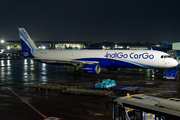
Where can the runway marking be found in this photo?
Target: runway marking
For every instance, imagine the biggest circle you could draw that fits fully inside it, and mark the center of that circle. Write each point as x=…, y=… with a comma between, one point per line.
x=28, y=104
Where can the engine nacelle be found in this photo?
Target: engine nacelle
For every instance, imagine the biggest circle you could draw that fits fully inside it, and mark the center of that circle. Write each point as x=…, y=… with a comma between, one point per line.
x=91, y=68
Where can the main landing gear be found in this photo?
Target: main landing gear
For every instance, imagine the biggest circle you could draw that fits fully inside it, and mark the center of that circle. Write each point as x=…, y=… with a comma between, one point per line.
x=77, y=72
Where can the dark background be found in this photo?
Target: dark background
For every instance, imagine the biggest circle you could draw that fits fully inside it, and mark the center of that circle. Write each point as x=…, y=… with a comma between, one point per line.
x=93, y=20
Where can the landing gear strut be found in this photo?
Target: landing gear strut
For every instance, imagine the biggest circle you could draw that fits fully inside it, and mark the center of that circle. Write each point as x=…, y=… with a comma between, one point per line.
x=77, y=72
x=153, y=73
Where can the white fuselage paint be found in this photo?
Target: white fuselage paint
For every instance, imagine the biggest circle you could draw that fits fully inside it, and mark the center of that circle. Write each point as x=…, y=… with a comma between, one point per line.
x=105, y=58
x=143, y=58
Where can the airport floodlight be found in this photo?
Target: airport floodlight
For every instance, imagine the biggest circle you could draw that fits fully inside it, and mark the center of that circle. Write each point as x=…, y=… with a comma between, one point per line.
x=43, y=47
x=128, y=95
x=2, y=41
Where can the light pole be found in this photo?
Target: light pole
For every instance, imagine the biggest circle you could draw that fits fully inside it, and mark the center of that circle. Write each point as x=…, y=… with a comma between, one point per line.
x=2, y=41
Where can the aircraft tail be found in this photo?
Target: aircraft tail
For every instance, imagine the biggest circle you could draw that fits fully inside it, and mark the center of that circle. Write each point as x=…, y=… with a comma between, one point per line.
x=27, y=44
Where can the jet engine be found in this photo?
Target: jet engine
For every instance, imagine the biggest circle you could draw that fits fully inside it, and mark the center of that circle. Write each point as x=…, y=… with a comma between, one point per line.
x=91, y=68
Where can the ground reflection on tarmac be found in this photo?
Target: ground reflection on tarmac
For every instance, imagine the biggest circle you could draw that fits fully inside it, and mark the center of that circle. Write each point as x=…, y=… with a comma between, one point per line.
x=18, y=74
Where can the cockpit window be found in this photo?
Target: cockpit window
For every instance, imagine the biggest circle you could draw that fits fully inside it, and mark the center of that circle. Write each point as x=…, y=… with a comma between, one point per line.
x=165, y=56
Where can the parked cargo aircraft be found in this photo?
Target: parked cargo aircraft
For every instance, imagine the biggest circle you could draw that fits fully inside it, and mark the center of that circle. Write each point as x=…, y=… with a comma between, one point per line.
x=91, y=61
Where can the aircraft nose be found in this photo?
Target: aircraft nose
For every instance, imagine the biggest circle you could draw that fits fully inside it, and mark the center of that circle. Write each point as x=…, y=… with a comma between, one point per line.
x=174, y=63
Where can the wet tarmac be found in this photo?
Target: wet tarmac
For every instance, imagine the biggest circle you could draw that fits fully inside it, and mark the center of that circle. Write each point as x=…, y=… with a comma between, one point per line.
x=18, y=102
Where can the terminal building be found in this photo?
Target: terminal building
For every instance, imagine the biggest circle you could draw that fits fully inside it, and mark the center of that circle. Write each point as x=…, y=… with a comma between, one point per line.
x=13, y=46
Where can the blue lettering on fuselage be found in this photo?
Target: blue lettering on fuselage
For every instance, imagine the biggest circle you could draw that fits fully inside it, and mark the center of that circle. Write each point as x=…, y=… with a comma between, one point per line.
x=131, y=55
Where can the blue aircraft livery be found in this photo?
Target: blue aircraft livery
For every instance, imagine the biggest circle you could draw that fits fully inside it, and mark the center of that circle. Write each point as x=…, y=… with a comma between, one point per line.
x=91, y=61
x=132, y=55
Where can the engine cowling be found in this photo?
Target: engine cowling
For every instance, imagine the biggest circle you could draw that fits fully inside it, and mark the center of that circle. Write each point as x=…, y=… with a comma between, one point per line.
x=91, y=68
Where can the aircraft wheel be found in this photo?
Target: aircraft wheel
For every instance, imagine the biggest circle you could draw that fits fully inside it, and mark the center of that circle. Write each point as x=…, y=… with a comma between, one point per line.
x=77, y=73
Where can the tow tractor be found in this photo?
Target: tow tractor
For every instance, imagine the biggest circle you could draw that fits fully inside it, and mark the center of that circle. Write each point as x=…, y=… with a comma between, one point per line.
x=172, y=73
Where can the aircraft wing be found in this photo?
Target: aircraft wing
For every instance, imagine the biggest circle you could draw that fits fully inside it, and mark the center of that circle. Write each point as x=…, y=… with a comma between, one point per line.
x=73, y=62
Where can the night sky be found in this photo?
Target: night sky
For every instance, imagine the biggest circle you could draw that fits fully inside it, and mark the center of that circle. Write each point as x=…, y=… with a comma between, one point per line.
x=92, y=20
